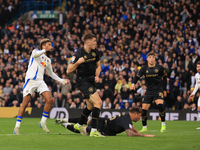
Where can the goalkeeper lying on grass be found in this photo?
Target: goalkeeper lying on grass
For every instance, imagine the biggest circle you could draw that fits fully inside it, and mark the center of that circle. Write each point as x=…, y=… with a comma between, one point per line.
x=110, y=127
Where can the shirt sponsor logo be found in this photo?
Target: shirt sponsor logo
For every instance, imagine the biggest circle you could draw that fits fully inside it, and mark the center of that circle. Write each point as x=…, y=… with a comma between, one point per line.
x=43, y=64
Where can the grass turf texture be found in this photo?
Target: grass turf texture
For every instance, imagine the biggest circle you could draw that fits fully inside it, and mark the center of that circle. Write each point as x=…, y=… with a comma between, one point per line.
x=180, y=135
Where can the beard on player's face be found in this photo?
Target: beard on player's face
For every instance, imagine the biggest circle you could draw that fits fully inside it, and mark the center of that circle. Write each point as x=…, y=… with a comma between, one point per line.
x=49, y=53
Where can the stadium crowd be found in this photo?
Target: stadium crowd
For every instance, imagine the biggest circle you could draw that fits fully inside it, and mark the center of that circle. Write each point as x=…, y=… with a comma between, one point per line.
x=126, y=30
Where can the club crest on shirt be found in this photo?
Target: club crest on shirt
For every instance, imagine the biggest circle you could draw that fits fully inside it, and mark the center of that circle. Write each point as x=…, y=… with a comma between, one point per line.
x=85, y=57
x=90, y=89
x=147, y=71
x=26, y=91
x=156, y=70
x=93, y=54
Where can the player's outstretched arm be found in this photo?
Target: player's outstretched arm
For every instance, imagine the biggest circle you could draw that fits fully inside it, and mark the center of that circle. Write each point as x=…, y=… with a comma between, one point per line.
x=54, y=76
x=194, y=91
x=137, y=77
x=72, y=66
x=37, y=53
x=130, y=132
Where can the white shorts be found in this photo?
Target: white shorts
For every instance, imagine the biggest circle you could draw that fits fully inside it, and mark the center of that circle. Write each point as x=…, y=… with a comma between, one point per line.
x=32, y=86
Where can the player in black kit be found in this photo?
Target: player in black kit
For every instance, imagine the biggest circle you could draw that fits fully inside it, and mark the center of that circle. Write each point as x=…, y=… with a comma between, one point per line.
x=86, y=61
x=110, y=127
x=156, y=80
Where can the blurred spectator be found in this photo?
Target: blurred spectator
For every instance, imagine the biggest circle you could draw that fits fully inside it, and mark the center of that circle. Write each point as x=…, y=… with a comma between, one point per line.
x=107, y=93
x=65, y=89
x=61, y=18
x=60, y=101
x=106, y=104
x=179, y=103
x=7, y=89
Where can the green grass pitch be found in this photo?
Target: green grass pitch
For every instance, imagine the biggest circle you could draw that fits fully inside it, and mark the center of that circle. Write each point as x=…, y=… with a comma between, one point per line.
x=180, y=135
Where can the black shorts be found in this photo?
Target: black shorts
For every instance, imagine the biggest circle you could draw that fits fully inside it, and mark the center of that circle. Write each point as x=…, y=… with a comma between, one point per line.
x=101, y=126
x=86, y=85
x=151, y=95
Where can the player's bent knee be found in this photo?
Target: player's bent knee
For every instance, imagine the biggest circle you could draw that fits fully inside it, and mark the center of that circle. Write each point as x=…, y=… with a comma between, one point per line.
x=159, y=102
x=50, y=100
x=90, y=107
x=99, y=103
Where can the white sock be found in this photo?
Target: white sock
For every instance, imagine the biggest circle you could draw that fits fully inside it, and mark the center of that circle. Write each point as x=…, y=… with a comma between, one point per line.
x=18, y=122
x=66, y=120
x=145, y=127
x=17, y=125
x=44, y=119
x=65, y=124
x=79, y=125
x=94, y=130
x=163, y=123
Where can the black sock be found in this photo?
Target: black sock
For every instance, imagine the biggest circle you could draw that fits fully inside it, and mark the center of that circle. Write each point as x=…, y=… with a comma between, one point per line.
x=161, y=112
x=71, y=128
x=95, y=117
x=144, y=117
x=86, y=112
x=75, y=120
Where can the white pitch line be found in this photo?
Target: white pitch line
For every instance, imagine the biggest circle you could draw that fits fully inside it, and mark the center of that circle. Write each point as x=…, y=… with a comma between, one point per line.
x=172, y=131
x=41, y=134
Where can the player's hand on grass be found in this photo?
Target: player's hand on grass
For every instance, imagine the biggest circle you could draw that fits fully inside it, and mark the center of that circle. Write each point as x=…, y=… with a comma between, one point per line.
x=81, y=60
x=132, y=87
x=96, y=79
x=147, y=135
x=65, y=81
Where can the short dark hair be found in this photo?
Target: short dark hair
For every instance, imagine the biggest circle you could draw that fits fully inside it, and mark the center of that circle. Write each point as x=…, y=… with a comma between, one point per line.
x=198, y=62
x=42, y=42
x=136, y=109
x=151, y=54
x=88, y=36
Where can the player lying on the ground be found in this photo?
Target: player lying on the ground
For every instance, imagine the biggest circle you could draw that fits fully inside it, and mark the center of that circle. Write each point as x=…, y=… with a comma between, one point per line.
x=110, y=127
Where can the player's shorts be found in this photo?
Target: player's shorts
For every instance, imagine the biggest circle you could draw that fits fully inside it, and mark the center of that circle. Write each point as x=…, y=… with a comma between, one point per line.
x=86, y=85
x=101, y=126
x=32, y=86
x=151, y=95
